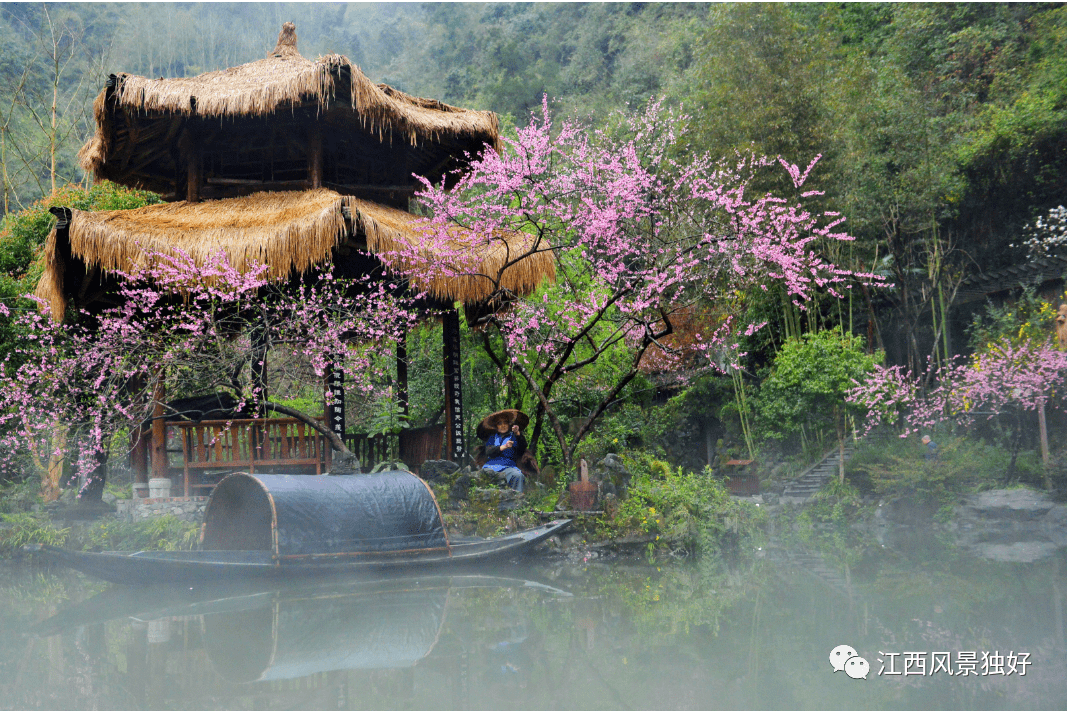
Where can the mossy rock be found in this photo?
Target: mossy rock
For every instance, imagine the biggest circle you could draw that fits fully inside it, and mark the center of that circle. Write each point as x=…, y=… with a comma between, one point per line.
x=485, y=478
x=485, y=500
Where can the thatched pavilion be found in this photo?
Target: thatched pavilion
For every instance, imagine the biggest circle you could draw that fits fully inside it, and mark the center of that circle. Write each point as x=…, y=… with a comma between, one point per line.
x=284, y=161
x=279, y=123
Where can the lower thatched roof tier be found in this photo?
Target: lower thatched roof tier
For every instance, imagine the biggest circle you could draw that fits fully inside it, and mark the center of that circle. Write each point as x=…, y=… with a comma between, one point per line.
x=290, y=232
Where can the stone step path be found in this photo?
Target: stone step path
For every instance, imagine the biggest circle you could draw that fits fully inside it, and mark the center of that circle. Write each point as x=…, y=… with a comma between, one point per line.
x=801, y=489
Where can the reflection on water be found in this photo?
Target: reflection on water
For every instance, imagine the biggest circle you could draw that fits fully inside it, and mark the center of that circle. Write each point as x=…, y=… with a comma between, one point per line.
x=624, y=636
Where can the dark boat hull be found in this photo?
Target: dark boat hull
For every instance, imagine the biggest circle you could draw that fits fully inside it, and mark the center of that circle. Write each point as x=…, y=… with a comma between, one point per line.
x=150, y=567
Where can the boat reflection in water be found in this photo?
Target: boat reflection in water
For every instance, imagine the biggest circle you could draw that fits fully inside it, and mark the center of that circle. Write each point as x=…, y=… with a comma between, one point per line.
x=218, y=642
x=293, y=637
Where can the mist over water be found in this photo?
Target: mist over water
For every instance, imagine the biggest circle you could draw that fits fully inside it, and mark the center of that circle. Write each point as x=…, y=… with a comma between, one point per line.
x=596, y=635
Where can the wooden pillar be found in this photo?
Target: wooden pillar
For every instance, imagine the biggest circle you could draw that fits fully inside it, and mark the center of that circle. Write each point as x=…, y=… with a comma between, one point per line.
x=404, y=439
x=190, y=158
x=402, y=371
x=159, y=432
x=334, y=407
x=139, y=454
x=453, y=388
x=139, y=438
x=259, y=366
x=315, y=156
x=50, y=486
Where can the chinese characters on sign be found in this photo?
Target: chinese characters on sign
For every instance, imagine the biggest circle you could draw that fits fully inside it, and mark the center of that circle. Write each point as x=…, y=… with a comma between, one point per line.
x=953, y=663
x=335, y=400
x=453, y=389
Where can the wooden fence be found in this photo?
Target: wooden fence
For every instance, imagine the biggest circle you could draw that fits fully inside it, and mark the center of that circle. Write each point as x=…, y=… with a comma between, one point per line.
x=201, y=453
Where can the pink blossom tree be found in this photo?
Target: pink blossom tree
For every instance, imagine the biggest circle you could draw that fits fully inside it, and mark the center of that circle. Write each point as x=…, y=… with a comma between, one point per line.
x=186, y=325
x=639, y=231
x=1003, y=380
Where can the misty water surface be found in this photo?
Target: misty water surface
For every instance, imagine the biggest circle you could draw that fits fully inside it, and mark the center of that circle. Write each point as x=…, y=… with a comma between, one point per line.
x=595, y=635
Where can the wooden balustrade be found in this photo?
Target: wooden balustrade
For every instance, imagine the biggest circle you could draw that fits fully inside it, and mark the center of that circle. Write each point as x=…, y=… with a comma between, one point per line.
x=212, y=448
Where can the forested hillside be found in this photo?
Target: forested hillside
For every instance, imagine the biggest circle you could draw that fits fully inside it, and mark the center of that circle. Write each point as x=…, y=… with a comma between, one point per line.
x=942, y=127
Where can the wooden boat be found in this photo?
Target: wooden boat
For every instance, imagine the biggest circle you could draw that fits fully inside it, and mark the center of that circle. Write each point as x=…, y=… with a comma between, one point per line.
x=262, y=526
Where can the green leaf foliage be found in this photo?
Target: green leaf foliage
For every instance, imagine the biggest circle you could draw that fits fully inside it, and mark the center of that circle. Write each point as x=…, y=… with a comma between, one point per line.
x=23, y=234
x=808, y=382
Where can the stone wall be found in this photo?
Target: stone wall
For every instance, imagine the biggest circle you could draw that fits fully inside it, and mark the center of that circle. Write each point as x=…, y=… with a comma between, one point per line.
x=187, y=508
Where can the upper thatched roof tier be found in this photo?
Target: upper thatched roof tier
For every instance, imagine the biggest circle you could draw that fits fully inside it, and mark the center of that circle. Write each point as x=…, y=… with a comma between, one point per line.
x=290, y=232
x=258, y=124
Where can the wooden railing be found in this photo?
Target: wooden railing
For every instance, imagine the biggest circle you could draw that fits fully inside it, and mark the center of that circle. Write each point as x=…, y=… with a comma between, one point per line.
x=212, y=448
x=371, y=450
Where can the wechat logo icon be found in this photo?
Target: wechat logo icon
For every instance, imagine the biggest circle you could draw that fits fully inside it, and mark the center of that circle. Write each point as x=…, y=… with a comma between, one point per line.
x=844, y=657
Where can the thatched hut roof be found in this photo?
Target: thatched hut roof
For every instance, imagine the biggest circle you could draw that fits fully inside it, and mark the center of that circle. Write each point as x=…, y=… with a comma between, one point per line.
x=253, y=124
x=290, y=232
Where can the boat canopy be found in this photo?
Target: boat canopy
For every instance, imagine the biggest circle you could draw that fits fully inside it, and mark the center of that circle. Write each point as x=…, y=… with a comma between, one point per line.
x=390, y=512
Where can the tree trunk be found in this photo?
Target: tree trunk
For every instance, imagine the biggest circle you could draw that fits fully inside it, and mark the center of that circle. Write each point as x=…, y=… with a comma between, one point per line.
x=1043, y=433
x=92, y=490
x=1016, y=441
x=840, y=444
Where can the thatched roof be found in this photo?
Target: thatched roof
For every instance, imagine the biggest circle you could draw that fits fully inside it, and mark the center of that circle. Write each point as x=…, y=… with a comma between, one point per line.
x=290, y=232
x=267, y=108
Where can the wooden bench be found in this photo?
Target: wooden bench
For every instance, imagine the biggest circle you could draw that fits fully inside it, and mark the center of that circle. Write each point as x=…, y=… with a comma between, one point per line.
x=247, y=445
x=284, y=445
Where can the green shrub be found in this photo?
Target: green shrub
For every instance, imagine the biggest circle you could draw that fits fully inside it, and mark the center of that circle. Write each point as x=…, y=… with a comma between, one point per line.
x=22, y=234
x=803, y=399
x=899, y=467
x=20, y=529
x=159, y=533
x=20, y=495
x=683, y=507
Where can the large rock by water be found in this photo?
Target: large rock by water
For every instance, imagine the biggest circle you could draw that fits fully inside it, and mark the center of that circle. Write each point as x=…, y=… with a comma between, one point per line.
x=1005, y=525
x=1011, y=525
x=1009, y=504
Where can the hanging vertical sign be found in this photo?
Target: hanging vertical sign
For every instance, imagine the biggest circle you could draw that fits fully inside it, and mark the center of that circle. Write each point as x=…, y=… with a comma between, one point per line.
x=453, y=389
x=335, y=400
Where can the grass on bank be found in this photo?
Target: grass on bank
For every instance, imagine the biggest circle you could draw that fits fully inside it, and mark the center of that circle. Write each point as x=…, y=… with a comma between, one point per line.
x=896, y=467
x=162, y=533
